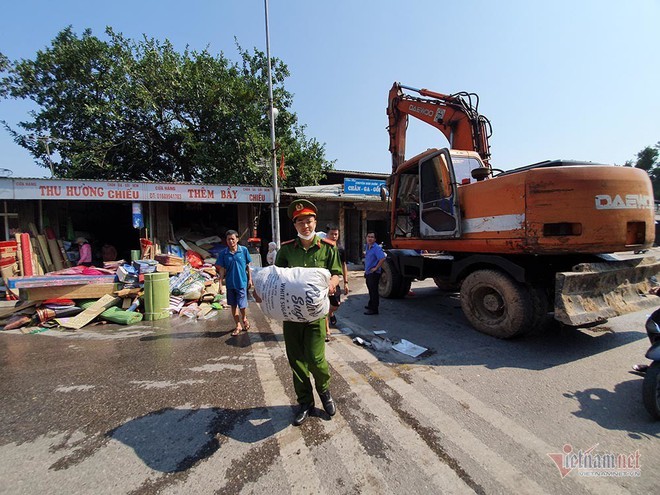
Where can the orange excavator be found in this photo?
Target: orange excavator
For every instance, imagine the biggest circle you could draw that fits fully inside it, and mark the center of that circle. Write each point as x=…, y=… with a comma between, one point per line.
x=518, y=244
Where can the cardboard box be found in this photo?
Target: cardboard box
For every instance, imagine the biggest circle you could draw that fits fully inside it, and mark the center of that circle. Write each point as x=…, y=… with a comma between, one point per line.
x=127, y=274
x=145, y=266
x=8, y=249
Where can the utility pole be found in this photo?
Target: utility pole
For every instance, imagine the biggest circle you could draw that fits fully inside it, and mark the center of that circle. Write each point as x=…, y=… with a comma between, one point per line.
x=46, y=140
x=275, y=213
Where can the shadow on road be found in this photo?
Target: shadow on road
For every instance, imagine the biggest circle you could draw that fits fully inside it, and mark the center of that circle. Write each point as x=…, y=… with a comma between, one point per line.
x=434, y=320
x=553, y=348
x=186, y=335
x=173, y=440
x=619, y=410
x=241, y=340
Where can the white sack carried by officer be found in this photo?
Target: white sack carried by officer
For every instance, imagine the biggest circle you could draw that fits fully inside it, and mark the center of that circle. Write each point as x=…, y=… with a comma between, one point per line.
x=292, y=294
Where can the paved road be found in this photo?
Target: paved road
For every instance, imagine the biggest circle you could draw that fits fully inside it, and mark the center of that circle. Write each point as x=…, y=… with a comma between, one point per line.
x=183, y=407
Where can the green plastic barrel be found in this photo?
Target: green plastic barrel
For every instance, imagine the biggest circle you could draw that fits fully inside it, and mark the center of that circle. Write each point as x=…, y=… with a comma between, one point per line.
x=156, y=296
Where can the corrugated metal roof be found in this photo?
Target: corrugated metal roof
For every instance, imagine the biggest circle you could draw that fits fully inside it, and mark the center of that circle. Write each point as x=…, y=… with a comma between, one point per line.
x=380, y=175
x=130, y=181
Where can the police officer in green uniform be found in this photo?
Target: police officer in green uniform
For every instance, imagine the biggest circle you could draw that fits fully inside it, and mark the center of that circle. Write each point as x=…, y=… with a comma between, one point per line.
x=305, y=342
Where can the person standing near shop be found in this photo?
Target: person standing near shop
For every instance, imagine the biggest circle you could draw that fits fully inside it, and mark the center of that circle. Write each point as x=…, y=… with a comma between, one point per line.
x=272, y=253
x=373, y=261
x=233, y=265
x=85, y=249
x=305, y=342
x=108, y=252
x=335, y=299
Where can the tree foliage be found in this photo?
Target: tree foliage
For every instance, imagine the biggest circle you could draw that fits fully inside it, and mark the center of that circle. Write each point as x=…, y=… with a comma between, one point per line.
x=647, y=159
x=139, y=110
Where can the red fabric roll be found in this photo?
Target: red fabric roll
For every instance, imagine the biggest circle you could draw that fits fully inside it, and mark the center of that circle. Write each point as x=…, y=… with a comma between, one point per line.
x=28, y=269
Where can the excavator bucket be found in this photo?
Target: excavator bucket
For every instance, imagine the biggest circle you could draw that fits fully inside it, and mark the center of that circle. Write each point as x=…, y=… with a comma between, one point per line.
x=594, y=292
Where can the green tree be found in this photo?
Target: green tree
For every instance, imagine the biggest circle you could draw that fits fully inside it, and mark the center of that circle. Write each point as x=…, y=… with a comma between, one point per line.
x=647, y=159
x=139, y=110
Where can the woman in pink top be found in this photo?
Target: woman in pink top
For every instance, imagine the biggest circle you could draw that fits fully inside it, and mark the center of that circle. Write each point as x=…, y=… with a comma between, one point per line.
x=85, y=252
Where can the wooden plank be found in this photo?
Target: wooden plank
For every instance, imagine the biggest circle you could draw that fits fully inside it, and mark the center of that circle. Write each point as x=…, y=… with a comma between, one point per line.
x=194, y=247
x=85, y=291
x=53, y=280
x=19, y=255
x=42, y=248
x=18, y=306
x=130, y=293
x=169, y=259
x=169, y=269
x=82, y=319
x=9, y=271
x=37, y=264
x=65, y=258
x=33, y=229
x=55, y=253
x=204, y=309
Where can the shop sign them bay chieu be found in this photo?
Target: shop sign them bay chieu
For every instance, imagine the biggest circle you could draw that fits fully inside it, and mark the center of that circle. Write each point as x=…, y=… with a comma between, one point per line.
x=131, y=191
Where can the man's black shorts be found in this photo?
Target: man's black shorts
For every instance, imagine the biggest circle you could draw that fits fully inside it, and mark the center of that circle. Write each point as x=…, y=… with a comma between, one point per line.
x=335, y=300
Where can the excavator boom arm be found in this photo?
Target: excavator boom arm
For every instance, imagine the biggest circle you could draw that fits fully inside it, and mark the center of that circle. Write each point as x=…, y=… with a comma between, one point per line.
x=456, y=118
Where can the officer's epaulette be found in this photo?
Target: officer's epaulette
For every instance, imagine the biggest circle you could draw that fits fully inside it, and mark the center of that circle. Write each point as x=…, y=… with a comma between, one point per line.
x=328, y=241
x=287, y=242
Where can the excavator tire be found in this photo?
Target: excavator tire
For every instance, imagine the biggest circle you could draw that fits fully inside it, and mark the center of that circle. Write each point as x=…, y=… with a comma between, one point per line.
x=497, y=305
x=651, y=390
x=392, y=284
x=539, y=308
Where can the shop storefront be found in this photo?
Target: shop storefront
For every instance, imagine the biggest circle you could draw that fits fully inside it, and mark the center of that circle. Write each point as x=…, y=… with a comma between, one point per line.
x=120, y=213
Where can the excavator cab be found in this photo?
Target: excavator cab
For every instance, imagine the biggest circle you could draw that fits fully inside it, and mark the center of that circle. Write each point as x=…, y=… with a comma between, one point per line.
x=427, y=199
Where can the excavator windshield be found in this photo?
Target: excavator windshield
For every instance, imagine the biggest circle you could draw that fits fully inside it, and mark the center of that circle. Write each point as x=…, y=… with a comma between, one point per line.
x=438, y=216
x=407, y=205
x=463, y=166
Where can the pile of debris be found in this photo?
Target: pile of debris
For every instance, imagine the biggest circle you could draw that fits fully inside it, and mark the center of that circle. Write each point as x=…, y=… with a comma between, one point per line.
x=154, y=287
x=31, y=254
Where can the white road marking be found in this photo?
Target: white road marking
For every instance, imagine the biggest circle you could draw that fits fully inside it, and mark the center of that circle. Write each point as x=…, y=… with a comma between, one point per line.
x=510, y=428
x=212, y=368
x=163, y=384
x=75, y=388
x=297, y=460
x=429, y=414
x=438, y=473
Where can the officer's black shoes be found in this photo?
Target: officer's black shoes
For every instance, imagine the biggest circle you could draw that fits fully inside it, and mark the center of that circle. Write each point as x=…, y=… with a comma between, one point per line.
x=328, y=403
x=370, y=312
x=306, y=410
x=303, y=411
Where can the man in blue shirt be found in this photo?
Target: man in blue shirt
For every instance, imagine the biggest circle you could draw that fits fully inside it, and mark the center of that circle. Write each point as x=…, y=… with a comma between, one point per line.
x=374, y=257
x=233, y=265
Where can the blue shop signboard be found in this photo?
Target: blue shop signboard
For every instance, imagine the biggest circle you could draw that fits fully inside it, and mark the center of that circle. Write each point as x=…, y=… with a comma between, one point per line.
x=363, y=186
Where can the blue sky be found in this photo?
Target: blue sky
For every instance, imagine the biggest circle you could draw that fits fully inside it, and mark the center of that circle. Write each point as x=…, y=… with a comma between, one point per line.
x=563, y=79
